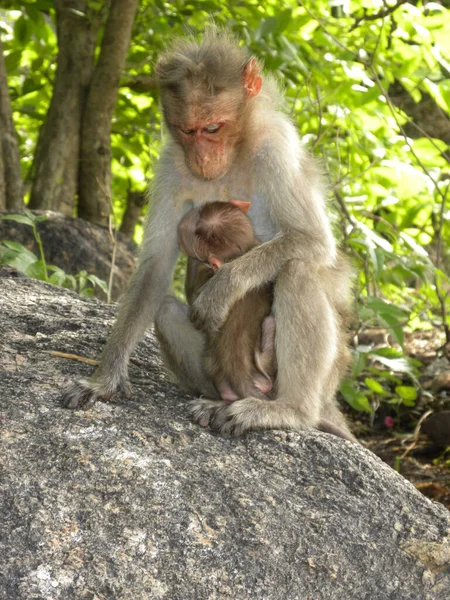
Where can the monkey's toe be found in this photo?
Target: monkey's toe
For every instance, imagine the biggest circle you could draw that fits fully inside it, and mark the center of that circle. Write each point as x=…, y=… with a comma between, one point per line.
x=202, y=410
x=78, y=395
x=84, y=394
x=239, y=417
x=228, y=425
x=125, y=388
x=228, y=419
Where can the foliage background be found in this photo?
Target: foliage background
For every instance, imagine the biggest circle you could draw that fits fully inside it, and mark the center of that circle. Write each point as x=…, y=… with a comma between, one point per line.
x=367, y=83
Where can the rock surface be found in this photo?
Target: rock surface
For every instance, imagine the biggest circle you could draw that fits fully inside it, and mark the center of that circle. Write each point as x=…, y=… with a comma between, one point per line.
x=131, y=501
x=75, y=245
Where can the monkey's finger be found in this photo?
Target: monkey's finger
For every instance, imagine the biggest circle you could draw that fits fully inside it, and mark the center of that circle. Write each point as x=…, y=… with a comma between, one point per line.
x=196, y=320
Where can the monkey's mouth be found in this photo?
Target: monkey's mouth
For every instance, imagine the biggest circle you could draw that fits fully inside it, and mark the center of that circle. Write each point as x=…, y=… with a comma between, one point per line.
x=209, y=171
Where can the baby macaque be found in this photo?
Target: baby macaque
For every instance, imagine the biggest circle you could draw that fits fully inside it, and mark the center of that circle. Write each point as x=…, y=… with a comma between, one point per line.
x=240, y=356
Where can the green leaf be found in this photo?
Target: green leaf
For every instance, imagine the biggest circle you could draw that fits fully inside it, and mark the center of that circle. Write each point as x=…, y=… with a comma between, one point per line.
x=18, y=219
x=411, y=243
x=36, y=270
x=376, y=239
x=375, y=386
x=407, y=393
x=283, y=19
x=383, y=308
x=22, y=30
x=383, y=374
x=359, y=363
x=57, y=278
x=87, y=292
x=45, y=5
x=100, y=282
x=30, y=215
x=388, y=352
x=357, y=400
x=20, y=249
x=13, y=60
x=399, y=365
x=394, y=327
x=70, y=282
x=17, y=256
x=268, y=26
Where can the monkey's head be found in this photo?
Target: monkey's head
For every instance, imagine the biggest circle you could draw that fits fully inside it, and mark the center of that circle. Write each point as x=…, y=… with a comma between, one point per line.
x=206, y=92
x=216, y=232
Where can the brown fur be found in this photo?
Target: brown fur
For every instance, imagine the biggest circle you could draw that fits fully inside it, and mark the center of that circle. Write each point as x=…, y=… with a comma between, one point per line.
x=238, y=360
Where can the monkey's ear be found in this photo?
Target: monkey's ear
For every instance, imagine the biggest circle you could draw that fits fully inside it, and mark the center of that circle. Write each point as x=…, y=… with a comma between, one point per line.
x=215, y=263
x=241, y=204
x=252, y=78
x=161, y=68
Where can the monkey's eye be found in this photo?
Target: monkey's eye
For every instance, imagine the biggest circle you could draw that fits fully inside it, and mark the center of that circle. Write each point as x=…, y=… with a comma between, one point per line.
x=187, y=131
x=213, y=128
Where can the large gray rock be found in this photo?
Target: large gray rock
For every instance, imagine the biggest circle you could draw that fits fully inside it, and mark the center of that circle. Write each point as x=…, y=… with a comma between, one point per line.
x=131, y=501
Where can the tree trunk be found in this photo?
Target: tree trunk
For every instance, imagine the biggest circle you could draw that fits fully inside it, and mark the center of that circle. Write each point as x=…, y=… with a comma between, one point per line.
x=95, y=157
x=135, y=202
x=55, y=181
x=11, y=185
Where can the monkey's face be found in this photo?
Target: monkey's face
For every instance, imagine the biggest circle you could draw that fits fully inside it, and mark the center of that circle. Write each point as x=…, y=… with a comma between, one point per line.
x=205, y=98
x=209, y=141
x=208, y=149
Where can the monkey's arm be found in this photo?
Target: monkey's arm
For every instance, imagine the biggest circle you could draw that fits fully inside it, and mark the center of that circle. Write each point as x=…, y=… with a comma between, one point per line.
x=304, y=233
x=145, y=293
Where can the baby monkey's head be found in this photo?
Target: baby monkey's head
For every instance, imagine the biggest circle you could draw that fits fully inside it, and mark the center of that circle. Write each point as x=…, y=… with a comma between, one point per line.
x=217, y=232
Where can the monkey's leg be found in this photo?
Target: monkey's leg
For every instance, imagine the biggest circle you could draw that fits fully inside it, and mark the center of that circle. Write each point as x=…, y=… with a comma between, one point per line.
x=306, y=349
x=142, y=299
x=112, y=373
x=182, y=347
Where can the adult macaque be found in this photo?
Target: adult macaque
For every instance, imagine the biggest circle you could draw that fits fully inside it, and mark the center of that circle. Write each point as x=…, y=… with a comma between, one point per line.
x=240, y=356
x=229, y=138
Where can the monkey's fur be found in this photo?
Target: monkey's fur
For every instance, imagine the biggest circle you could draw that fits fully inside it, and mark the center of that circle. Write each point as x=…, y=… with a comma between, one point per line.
x=240, y=356
x=228, y=137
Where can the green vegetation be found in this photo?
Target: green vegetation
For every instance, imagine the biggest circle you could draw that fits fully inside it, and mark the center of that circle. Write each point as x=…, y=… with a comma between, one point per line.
x=17, y=256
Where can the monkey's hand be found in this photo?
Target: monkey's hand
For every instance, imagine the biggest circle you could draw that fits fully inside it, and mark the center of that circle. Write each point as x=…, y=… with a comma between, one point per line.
x=210, y=308
x=84, y=393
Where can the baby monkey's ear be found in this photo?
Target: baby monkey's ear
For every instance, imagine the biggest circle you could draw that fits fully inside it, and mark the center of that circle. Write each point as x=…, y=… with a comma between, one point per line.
x=241, y=204
x=215, y=263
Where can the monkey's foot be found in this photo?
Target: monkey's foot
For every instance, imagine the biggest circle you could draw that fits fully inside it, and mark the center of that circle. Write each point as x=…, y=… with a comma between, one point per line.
x=231, y=419
x=84, y=393
x=202, y=410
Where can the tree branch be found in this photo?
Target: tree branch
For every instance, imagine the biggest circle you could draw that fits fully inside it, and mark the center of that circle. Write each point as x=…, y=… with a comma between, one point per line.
x=384, y=12
x=11, y=186
x=140, y=83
